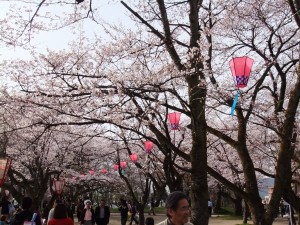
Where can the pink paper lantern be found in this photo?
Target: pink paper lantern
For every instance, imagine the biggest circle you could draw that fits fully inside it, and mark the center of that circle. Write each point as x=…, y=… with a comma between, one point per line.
x=123, y=164
x=174, y=118
x=240, y=69
x=116, y=167
x=59, y=185
x=92, y=172
x=5, y=164
x=134, y=157
x=148, y=146
x=81, y=176
x=104, y=171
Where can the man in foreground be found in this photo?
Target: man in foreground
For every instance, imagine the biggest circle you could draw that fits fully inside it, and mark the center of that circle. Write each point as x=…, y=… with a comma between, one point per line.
x=178, y=209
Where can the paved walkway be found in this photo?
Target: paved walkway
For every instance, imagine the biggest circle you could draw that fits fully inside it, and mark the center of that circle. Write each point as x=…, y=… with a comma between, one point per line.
x=214, y=220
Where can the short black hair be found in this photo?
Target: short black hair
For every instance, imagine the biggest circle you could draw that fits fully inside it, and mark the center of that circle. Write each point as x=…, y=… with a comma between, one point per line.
x=60, y=211
x=26, y=203
x=173, y=199
x=149, y=221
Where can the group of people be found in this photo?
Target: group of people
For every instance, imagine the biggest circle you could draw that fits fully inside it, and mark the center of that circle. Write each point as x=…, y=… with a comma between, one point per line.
x=177, y=210
x=176, y=204
x=88, y=216
x=25, y=213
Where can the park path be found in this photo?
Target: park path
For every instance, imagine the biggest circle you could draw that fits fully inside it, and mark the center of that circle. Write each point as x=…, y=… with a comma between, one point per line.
x=214, y=220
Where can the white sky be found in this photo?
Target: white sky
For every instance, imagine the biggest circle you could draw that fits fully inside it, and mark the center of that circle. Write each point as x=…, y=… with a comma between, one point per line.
x=112, y=12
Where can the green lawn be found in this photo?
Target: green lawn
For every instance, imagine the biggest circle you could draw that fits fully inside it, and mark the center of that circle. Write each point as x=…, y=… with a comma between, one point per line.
x=157, y=210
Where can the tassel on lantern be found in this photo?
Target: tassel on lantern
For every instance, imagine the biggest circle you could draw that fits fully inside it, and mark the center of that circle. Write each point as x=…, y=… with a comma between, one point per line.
x=234, y=102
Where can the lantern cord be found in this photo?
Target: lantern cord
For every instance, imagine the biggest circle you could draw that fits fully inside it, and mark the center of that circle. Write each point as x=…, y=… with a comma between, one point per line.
x=174, y=138
x=234, y=102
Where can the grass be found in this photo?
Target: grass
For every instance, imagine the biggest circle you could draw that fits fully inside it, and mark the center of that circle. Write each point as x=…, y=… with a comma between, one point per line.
x=230, y=217
x=224, y=211
x=244, y=224
x=156, y=209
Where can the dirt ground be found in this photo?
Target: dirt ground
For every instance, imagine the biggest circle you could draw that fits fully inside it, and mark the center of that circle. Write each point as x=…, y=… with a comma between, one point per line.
x=214, y=220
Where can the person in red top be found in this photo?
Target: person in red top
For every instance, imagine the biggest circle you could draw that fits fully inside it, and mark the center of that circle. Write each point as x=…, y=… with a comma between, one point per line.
x=60, y=216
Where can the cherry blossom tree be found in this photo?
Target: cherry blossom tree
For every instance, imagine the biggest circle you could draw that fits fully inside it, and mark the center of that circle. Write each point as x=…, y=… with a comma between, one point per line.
x=135, y=80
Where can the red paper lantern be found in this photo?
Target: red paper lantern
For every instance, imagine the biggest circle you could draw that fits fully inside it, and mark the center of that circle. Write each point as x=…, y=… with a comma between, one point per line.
x=4, y=167
x=148, y=146
x=59, y=185
x=123, y=164
x=116, y=167
x=92, y=172
x=240, y=69
x=134, y=157
x=174, y=118
x=104, y=171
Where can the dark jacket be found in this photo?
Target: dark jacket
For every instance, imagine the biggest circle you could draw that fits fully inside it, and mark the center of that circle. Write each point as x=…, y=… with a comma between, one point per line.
x=124, y=211
x=83, y=214
x=5, y=206
x=105, y=220
x=24, y=215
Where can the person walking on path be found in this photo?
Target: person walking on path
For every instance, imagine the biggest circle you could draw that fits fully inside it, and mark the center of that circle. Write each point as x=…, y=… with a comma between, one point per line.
x=133, y=211
x=102, y=213
x=123, y=208
x=80, y=207
x=87, y=216
x=152, y=205
x=178, y=209
x=210, y=207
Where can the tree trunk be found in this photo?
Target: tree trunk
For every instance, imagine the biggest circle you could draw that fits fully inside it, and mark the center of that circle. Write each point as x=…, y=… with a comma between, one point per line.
x=219, y=199
x=246, y=213
x=238, y=209
x=198, y=154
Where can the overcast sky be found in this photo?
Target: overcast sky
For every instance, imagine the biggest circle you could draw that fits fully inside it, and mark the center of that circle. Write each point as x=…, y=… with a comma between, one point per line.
x=113, y=12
